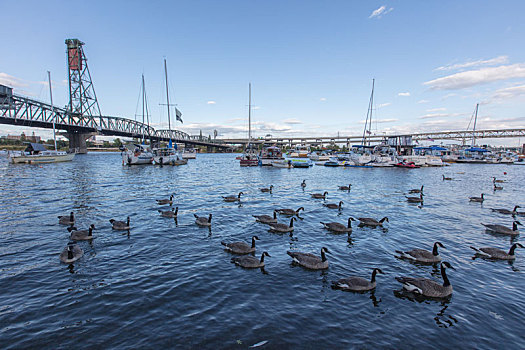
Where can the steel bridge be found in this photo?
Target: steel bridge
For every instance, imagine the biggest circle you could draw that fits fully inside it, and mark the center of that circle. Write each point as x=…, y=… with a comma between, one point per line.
x=460, y=135
x=23, y=111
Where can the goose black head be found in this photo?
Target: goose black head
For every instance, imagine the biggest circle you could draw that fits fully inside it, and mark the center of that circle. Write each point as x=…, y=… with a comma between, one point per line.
x=340, y=203
x=92, y=226
x=240, y=193
x=256, y=238
x=439, y=244
x=112, y=221
x=324, y=194
x=516, y=207
x=128, y=221
x=447, y=265
x=292, y=220
x=271, y=186
x=266, y=254
x=378, y=270
x=171, y=197
x=303, y=184
x=301, y=208
x=324, y=249
x=384, y=219
x=71, y=216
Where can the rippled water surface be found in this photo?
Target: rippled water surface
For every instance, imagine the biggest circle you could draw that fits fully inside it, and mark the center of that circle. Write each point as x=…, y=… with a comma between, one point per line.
x=171, y=284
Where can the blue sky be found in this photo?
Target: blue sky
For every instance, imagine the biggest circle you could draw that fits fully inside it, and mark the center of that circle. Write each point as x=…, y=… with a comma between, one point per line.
x=311, y=63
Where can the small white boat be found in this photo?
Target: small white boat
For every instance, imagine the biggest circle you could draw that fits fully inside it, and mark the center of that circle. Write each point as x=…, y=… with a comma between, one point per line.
x=282, y=163
x=189, y=153
x=140, y=155
x=270, y=154
x=36, y=153
x=167, y=156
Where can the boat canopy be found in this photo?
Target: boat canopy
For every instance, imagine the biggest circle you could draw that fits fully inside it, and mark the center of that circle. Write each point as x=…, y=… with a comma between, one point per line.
x=362, y=146
x=476, y=149
x=432, y=148
x=35, y=147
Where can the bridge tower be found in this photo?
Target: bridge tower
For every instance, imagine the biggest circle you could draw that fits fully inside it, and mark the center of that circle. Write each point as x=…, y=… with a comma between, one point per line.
x=83, y=102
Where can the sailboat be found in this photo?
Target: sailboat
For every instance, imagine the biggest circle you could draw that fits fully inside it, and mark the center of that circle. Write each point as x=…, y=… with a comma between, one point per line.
x=37, y=153
x=250, y=156
x=168, y=155
x=142, y=153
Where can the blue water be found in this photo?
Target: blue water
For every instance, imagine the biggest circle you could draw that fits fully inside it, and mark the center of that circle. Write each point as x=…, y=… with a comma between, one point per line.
x=170, y=284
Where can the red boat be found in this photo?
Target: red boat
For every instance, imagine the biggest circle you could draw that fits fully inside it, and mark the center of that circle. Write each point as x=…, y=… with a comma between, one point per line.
x=409, y=165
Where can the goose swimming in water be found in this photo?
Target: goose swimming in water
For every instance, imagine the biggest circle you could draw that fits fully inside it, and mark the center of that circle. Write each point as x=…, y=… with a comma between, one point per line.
x=120, y=225
x=503, y=229
x=495, y=253
x=319, y=195
x=446, y=178
x=202, y=220
x=334, y=206
x=498, y=181
x=266, y=219
x=250, y=262
x=415, y=199
x=506, y=211
x=345, y=188
x=289, y=212
x=357, y=284
x=165, y=201
x=269, y=189
x=303, y=184
x=497, y=188
x=422, y=255
x=71, y=253
x=67, y=219
x=169, y=213
x=339, y=228
x=233, y=198
x=417, y=190
x=81, y=235
x=240, y=247
x=427, y=287
x=477, y=199
x=372, y=222
x=282, y=228
x=310, y=261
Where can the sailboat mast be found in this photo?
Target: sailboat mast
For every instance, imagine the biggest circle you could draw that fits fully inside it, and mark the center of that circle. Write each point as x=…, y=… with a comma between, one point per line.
x=143, y=99
x=474, y=128
x=249, y=112
x=167, y=94
x=371, y=110
x=52, y=108
x=369, y=115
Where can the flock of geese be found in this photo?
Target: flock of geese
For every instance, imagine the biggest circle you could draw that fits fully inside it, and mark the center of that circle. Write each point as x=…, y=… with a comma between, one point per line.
x=246, y=251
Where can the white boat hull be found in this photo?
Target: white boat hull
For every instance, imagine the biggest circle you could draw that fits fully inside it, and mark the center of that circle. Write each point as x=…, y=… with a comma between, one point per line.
x=135, y=158
x=39, y=159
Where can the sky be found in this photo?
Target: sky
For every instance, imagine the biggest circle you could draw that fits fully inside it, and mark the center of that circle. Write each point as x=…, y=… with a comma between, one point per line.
x=310, y=63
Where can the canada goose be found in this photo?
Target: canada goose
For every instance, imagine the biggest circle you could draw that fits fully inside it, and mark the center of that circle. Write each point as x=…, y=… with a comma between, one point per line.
x=372, y=222
x=416, y=190
x=339, y=228
x=415, y=199
x=120, y=225
x=503, y=229
x=67, y=219
x=266, y=219
x=233, y=198
x=81, y=235
x=310, y=261
x=334, y=206
x=422, y=255
x=497, y=188
x=250, y=262
x=319, y=195
x=345, y=188
x=282, y=228
x=165, y=201
x=303, y=184
x=495, y=253
x=71, y=253
x=498, y=181
x=269, y=189
x=446, y=178
x=477, y=199
x=169, y=213
x=357, y=284
x=289, y=212
x=202, y=220
x=240, y=247
x=506, y=211
x=427, y=287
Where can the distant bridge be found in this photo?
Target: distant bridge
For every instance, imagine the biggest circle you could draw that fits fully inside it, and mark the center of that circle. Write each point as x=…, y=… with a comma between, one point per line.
x=461, y=135
x=23, y=111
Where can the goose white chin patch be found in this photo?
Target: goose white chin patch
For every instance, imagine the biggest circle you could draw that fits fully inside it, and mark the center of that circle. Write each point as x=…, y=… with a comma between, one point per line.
x=412, y=288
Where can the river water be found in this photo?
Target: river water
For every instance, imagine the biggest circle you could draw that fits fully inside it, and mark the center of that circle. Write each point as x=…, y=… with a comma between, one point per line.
x=170, y=284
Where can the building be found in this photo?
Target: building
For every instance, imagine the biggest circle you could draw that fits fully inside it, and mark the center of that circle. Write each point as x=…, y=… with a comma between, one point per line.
x=22, y=137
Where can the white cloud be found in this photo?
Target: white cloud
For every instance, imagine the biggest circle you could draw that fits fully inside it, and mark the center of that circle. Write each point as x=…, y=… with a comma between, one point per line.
x=508, y=93
x=211, y=102
x=292, y=121
x=391, y=120
x=423, y=101
x=255, y=108
x=439, y=115
x=11, y=81
x=383, y=105
x=380, y=12
x=476, y=77
x=489, y=62
x=322, y=99
x=404, y=94
x=436, y=109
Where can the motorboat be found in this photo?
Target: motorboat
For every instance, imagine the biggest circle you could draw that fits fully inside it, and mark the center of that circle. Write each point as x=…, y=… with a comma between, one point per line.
x=407, y=165
x=270, y=154
x=37, y=153
x=140, y=155
x=300, y=151
x=384, y=156
x=316, y=156
x=361, y=155
x=167, y=156
x=189, y=153
x=250, y=156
